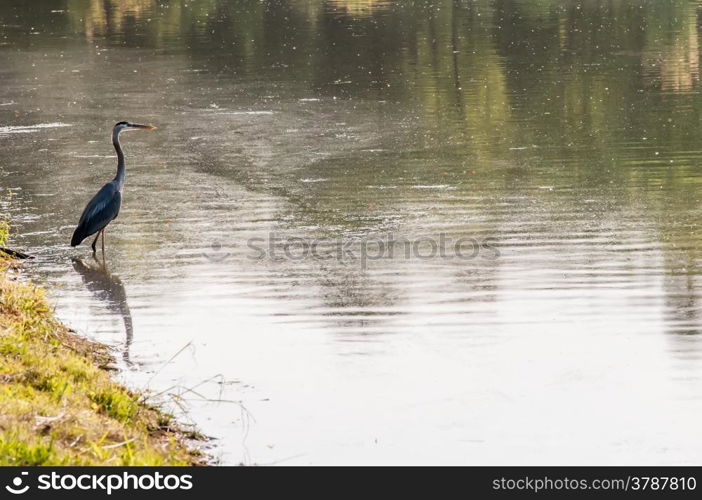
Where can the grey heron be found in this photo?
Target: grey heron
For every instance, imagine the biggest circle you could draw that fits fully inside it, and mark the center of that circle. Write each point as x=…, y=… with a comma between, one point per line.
x=105, y=205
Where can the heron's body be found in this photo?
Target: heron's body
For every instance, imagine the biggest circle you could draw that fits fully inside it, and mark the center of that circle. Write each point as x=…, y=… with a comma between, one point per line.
x=98, y=213
x=104, y=207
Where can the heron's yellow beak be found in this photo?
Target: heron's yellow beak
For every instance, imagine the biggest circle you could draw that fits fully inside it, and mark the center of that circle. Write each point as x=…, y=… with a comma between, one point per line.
x=144, y=127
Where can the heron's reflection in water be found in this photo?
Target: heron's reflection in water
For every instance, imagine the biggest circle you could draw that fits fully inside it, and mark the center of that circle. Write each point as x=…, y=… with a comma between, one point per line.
x=108, y=288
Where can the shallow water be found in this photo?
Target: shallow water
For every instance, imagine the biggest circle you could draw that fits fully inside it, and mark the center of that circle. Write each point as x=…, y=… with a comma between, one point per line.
x=557, y=142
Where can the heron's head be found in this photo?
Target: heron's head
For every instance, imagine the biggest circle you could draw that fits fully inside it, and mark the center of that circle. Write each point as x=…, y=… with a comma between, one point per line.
x=120, y=126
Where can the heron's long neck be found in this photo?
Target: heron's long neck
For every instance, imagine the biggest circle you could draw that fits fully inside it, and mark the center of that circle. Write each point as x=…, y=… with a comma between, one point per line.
x=121, y=166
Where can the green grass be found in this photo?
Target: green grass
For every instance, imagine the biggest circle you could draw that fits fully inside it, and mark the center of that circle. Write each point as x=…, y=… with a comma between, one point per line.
x=58, y=404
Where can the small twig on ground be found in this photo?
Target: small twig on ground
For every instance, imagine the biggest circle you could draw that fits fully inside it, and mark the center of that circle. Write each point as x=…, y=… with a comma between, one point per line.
x=15, y=253
x=117, y=445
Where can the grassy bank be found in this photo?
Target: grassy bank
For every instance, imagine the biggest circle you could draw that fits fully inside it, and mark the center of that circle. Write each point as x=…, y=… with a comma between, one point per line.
x=58, y=404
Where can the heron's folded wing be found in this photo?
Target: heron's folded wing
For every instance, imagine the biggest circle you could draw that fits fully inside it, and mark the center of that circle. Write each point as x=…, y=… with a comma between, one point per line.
x=98, y=213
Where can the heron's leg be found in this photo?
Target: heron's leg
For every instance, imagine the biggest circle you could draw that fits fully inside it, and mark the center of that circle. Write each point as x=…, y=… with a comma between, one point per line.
x=95, y=241
x=103, y=243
